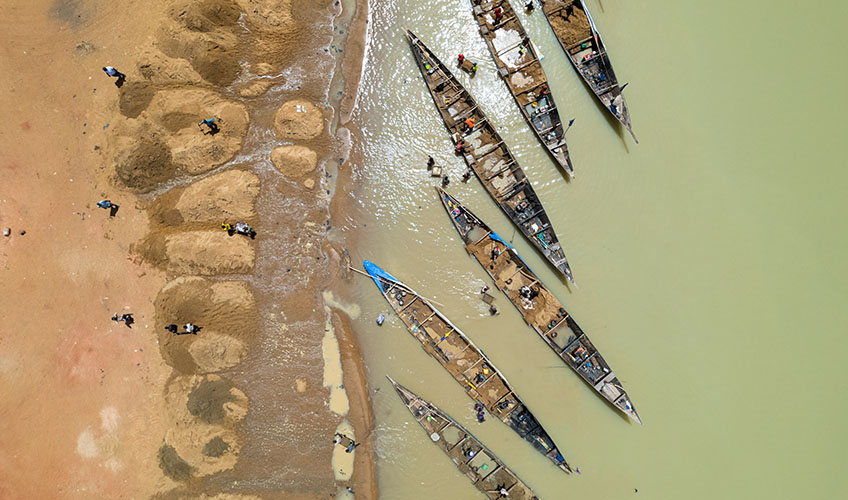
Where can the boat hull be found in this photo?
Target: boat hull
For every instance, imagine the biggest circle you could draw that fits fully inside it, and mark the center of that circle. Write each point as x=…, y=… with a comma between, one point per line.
x=470, y=456
x=466, y=363
x=486, y=154
x=521, y=70
x=538, y=306
x=575, y=30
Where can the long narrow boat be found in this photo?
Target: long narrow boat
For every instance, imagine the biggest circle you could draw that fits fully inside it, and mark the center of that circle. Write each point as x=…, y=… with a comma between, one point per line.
x=470, y=456
x=519, y=67
x=488, y=156
x=579, y=38
x=464, y=361
x=537, y=304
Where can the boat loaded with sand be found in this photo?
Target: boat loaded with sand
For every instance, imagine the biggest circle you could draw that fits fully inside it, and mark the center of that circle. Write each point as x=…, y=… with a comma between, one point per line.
x=519, y=67
x=579, y=38
x=537, y=304
x=470, y=456
x=488, y=156
x=464, y=361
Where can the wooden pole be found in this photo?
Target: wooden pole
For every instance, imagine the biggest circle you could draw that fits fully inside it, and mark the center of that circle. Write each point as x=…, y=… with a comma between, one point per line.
x=393, y=282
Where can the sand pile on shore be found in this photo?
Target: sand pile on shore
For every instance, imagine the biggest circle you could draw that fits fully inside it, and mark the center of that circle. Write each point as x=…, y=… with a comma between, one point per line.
x=204, y=253
x=202, y=440
x=205, y=33
x=228, y=196
x=299, y=120
x=294, y=162
x=225, y=311
x=161, y=136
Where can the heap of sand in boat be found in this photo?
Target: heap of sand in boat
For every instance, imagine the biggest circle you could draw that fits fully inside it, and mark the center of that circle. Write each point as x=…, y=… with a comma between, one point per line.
x=537, y=304
x=471, y=457
x=520, y=68
x=464, y=361
x=488, y=156
x=579, y=38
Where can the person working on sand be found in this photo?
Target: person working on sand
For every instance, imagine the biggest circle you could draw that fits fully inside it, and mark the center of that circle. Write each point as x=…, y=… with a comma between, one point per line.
x=171, y=328
x=127, y=318
x=108, y=205
x=113, y=72
x=466, y=176
x=445, y=180
x=430, y=162
x=210, y=124
x=191, y=328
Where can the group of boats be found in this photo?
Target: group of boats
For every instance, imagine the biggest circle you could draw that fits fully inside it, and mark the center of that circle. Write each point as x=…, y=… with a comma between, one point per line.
x=487, y=155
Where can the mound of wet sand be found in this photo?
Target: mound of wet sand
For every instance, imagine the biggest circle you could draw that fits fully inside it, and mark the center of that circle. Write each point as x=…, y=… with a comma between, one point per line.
x=204, y=33
x=162, y=137
x=226, y=313
x=212, y=352
x=299, y=120
x=204, y=253
x=142, y=166
x=204, y=411
x=159, y=69
x=228, y=196
x=255, y=88
x=179, y=111
x=276, y=32
x=294, y=162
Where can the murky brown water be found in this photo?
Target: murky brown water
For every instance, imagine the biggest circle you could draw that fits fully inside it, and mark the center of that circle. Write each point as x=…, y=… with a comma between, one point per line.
x=709, y=257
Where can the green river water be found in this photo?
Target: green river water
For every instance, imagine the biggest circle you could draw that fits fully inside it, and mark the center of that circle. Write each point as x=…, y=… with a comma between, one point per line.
x=710, y=257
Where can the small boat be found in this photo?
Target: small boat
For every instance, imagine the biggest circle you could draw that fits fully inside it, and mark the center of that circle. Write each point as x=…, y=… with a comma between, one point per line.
x=537, y=304
x=488, y=156
x=519, y=67
x=579, y=38
x=470, y=456
x=464, y=361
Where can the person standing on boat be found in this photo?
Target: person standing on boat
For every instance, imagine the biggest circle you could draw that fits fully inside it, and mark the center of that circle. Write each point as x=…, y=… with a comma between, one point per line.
x=498, y=15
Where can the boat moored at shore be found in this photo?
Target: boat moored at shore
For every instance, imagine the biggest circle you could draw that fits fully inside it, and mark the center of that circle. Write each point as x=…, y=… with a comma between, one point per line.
x=521, y=69
x=488, y=156
x=579, y=38
x=466, y=363
x=471, y=457
x=537, y=304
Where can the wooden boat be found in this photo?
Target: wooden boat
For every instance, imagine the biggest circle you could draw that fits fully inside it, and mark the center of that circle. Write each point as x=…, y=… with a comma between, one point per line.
x=519, y=67
x=537, y=304
x=470, y=456
x=464, y=361
x=488, y=156
x=579, y=38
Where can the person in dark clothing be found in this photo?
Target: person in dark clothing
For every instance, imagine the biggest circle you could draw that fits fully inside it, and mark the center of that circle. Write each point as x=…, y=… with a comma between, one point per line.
x=127, y=318
x=171, y=328
x=466, y=176
x=121, y=78
x=445, y=180
x=430, y=162
x=211, y=125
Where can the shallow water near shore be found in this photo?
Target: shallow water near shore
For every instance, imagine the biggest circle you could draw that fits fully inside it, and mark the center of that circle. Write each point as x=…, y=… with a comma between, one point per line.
x=708, y=257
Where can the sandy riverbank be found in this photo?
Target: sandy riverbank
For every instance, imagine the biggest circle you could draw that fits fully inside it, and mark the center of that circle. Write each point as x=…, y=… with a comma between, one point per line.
x=104, y=410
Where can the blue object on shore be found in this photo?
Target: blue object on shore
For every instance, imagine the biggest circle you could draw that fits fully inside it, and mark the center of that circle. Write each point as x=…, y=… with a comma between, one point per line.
x=380, y=320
